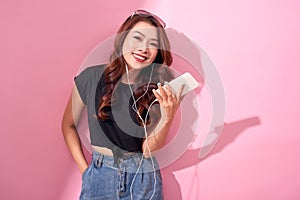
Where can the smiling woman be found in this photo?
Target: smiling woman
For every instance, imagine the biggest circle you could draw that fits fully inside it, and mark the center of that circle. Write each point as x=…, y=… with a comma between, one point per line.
x=119, y=97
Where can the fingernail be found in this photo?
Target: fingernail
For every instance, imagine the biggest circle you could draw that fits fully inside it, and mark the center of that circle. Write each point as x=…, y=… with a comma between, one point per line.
x=166, y=83
x=158, y=84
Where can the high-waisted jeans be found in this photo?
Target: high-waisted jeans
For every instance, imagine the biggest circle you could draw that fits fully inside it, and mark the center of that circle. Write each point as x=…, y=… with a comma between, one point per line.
x=105, y=180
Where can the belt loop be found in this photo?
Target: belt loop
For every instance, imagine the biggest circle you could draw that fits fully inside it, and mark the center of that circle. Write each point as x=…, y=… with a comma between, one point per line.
x=137, y=158
x=99, y=160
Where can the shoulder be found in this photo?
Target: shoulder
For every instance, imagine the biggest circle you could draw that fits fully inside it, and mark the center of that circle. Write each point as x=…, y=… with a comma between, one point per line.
x=90, y=73
x=95, y=69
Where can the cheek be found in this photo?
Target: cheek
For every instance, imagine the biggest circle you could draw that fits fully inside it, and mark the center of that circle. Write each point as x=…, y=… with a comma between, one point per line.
x=153, y=53
x=129, y=46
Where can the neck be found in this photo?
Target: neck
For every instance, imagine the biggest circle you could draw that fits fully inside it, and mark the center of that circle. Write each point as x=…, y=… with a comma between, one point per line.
x=131, y=77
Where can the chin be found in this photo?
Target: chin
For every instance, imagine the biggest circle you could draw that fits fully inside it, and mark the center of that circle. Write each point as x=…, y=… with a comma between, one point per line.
x=135, y=65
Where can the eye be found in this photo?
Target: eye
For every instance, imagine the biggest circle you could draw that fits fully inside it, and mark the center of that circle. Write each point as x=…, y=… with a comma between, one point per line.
x=154, y=44
x=137, y=38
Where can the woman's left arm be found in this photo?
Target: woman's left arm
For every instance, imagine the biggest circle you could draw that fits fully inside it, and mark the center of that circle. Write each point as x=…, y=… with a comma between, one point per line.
x=169, y=104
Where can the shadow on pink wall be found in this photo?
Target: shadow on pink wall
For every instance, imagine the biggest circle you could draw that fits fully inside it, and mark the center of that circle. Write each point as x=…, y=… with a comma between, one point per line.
x=230, y=132
x=190, y=57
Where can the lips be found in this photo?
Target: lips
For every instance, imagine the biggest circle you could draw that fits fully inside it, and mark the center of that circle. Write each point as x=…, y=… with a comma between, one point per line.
x=139, y=57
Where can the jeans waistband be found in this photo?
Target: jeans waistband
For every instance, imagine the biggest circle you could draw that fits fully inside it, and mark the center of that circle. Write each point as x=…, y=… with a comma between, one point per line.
x=130, y=160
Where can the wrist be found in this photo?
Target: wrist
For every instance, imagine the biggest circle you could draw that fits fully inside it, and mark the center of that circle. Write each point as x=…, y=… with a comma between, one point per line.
x=83, y=168
x=166, y=121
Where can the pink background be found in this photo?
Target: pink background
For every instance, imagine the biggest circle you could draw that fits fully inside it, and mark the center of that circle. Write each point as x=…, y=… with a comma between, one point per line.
x=254, y=44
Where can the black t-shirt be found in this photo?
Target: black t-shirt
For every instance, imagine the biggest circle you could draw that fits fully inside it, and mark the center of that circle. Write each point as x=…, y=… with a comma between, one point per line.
x=121, y=132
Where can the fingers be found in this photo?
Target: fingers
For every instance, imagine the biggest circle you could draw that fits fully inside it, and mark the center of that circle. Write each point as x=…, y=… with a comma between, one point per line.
x=171, y=97
x=165, y=94
x=179, y=93
x=168, y=101
x=157, y=95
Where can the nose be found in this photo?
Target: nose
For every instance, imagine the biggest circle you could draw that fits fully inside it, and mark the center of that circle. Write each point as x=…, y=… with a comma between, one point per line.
x=143, y=47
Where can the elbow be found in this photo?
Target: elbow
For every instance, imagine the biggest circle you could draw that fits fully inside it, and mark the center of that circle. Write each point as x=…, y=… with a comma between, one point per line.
x=66, y=126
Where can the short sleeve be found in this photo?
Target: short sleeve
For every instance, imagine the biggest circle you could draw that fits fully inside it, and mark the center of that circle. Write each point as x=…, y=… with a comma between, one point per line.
x=83, y=84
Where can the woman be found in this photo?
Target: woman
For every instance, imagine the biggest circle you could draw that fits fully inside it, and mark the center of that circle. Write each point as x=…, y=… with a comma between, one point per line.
x=125, y=125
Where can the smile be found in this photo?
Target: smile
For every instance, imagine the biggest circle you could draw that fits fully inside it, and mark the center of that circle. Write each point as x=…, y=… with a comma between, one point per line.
x=139, y=58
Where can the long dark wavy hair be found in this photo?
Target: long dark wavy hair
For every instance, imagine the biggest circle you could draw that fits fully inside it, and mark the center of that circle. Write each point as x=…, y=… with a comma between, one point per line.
x=116, y=68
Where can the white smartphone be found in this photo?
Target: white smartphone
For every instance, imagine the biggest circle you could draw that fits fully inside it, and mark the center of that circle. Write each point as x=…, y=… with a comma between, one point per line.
x=187, y=79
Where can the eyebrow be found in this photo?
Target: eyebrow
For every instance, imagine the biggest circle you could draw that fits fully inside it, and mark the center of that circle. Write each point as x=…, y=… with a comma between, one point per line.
x=144, y=35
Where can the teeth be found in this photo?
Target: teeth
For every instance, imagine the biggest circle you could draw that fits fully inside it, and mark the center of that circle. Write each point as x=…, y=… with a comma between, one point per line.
x=139, y=57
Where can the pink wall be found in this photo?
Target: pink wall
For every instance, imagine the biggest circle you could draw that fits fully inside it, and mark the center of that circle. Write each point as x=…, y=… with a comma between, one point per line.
x=254, y=45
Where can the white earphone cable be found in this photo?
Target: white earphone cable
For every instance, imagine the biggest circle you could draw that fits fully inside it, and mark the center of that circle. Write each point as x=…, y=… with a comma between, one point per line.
x=134, y=107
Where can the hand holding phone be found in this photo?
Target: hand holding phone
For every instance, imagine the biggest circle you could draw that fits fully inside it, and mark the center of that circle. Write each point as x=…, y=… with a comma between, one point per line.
x=185, y=79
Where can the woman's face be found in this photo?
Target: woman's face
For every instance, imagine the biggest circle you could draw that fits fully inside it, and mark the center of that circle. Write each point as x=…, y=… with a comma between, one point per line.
x=140, y=46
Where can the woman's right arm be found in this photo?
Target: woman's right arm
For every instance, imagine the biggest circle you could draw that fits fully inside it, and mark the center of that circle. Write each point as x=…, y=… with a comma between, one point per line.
x=70, y=119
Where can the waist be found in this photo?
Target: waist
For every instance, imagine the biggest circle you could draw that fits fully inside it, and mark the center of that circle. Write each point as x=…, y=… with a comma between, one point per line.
x=132, y=162
x=102, y=150
x=108, y=152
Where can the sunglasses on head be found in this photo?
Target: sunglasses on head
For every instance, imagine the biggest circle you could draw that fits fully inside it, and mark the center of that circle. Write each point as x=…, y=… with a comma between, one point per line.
x=144, y=13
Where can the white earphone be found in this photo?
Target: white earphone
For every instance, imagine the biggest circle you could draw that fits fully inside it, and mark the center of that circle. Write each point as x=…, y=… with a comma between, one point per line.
x=146, y=134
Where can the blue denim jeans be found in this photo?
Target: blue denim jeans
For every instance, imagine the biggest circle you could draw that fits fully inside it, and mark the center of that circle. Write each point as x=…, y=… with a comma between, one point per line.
x=105, y=180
